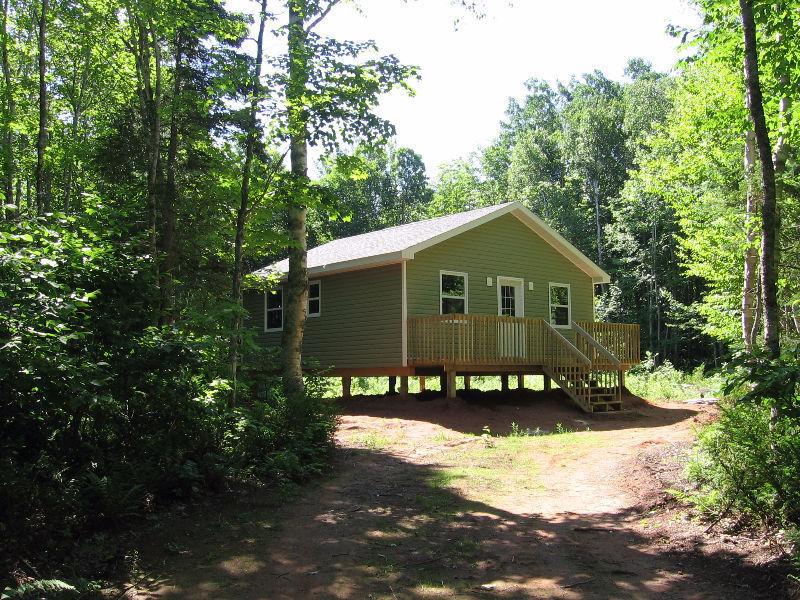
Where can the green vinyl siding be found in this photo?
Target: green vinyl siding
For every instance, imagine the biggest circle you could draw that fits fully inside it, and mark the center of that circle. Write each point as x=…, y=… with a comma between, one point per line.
x=503, y=247
x=360, y=324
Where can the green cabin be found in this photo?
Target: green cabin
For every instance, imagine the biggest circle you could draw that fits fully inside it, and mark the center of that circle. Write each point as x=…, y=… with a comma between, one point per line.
x=488, y=291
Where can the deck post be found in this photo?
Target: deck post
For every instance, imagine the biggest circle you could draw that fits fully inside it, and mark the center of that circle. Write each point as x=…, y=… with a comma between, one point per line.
x=404, y=387
x=443, y=383
x=520, y=381
x=421, y=384
x=548, y=384
x=621, y=379
x=392, y=384
x=346, y=381
x=504, y=382
x=451, y=384
x=467, y=382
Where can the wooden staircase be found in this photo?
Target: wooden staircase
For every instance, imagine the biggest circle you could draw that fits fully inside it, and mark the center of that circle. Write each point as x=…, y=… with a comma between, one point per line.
x=584, y=387
x=587, y=372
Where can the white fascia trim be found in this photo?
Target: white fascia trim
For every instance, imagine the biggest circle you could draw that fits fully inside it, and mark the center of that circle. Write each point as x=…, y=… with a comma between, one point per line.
x=356, y=264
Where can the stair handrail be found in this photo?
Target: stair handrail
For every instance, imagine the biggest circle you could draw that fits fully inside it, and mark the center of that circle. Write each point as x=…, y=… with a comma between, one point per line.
x=596, y=345
x=566, y=343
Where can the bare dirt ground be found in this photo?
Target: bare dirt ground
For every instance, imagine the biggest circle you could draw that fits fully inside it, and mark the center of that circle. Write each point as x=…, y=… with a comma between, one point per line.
x=421, y=505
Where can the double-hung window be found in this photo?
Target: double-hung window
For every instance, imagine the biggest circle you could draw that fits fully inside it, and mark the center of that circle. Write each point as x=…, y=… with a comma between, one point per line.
x=273, y=310
x=314, y=299
x=560, y=311
x=452, y=293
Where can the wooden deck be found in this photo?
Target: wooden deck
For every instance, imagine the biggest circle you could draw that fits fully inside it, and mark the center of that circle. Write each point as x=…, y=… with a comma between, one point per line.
x=589, y=367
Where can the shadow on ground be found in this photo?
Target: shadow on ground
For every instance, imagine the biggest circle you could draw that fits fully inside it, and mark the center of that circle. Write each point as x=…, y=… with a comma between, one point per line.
x=473, y=410
x=386, y=528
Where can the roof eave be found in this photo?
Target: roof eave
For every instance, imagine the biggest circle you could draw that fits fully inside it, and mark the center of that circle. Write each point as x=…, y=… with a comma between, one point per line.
x=356, y=264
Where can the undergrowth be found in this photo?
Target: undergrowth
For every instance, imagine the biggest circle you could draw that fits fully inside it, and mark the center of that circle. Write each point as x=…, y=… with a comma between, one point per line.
x=663, y=381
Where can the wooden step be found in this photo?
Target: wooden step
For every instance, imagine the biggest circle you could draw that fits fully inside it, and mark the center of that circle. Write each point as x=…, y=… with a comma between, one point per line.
x=606, y=406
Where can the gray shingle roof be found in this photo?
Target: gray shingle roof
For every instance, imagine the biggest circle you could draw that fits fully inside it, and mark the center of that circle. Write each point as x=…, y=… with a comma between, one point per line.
x=383, y=241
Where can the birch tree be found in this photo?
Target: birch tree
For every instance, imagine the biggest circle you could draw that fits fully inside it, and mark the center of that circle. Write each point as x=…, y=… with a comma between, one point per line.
x=331, y=88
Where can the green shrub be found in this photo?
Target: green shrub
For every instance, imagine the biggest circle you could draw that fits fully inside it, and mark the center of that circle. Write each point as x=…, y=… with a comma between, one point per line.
x=749, y=460
x=743, y=463
x=105, y=416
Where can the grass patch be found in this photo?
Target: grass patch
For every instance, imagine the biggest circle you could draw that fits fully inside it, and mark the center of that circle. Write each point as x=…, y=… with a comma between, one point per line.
x=373, y=440
x=665, y=382
x=497, y=465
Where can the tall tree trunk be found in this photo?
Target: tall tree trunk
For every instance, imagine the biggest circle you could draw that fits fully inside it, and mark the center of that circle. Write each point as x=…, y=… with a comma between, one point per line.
x=154, y=163
x=595, y=185
x=750, y=252
x=9, y=111
x=42, y=191
x=297, y=282
x=251, y=140
x=78, y=93
x=769, y=221
x=145, y=47
x=170, y=196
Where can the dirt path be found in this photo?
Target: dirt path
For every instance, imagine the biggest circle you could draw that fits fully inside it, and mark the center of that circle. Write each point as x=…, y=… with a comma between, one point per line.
x=419, y=506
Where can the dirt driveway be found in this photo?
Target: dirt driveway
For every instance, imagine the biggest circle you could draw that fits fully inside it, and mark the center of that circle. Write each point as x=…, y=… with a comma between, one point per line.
x=421, y=505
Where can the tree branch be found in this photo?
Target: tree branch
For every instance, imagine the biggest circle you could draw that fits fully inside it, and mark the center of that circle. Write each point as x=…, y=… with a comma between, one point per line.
x=322, y=15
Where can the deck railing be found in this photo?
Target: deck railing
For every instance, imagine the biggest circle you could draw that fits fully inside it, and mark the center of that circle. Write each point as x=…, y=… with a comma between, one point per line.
x=620, y=339
x=495, y=340
x=487, y=340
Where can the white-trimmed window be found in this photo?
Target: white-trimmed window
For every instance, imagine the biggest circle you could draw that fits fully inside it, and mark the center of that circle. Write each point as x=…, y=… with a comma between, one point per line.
x=314, y=298
x=453, y=293
x=560, y=307
x=273, y=310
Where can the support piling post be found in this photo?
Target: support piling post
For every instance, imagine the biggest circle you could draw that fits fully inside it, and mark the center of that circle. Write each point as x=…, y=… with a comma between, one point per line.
x=346, y=387
x=467, y=382
x=421, y=384
x=404, y=387
x=451, y=384
x=392, y=384
x=548, y=384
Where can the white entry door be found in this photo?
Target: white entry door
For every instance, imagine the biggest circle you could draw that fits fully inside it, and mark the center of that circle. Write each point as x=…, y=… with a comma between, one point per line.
x=511, y=303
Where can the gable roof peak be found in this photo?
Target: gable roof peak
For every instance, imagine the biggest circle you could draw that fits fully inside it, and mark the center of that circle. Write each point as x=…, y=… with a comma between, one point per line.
x=401, y=242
